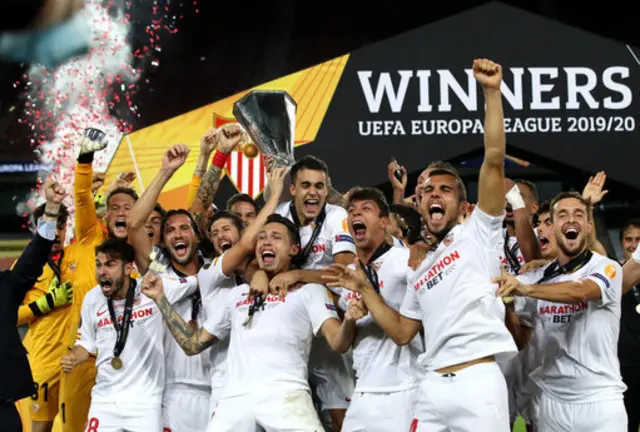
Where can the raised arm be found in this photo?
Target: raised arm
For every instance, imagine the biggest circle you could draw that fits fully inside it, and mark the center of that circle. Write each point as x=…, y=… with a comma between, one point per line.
x=399, y=185
x=593, y=192
x=525, y=234
x=236, y=258
x=29, y=265
x=207, y=144
x=631, y=272
x=173, y=159
x=86, y=221
x=192, y=341
x=491, y=181
x=228, y=137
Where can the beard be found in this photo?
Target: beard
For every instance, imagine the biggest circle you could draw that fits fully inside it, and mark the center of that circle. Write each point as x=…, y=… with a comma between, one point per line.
x=185, y=259
x=439, y=235
x=571, y=253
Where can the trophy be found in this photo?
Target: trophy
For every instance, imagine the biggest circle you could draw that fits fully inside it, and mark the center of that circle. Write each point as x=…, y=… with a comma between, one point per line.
x=269, y=117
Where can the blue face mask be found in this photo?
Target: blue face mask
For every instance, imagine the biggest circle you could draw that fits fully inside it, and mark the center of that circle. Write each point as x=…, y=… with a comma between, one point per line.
x=48, y=47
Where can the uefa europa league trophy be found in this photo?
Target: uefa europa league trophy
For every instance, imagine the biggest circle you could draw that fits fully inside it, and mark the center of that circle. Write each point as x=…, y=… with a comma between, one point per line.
x=269, y=117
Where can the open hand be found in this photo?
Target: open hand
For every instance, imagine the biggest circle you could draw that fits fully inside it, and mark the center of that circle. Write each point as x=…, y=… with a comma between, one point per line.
x=593, y=189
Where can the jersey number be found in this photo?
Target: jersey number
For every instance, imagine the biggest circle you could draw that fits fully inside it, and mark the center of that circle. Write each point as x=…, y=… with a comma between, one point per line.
x=93, y=425
x=45, y=389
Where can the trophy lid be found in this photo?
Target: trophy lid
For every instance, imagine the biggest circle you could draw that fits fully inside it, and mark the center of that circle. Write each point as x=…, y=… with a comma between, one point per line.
x=269, y=117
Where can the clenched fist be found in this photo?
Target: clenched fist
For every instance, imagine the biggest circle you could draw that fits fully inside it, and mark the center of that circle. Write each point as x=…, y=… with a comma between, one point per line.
x=487, y=73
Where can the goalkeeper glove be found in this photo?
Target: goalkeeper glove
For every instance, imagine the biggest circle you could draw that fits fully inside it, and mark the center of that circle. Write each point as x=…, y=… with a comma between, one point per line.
x=92, y=141
x=58, y=295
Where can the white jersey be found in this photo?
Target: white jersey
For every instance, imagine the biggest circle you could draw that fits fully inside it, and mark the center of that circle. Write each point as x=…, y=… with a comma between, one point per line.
x=181, y=368
x=215, y=287
x=142, y=376
x=273, y=351
x=333, y=238
x=579, y=359
x=451, y=292
x=382, y=366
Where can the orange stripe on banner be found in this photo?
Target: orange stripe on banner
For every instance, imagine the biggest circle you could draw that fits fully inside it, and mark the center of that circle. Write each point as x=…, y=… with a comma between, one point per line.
x=321, y=99
x=315, y=90
x=300, y=102
x=299, y=85
x=251, y=178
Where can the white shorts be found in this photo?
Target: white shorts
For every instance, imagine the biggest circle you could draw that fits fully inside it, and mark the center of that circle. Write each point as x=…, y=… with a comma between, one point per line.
x=380, y=412
x=519, y=386
x=185, y=409
x=214, y=399
x=556, y=416
x=473, y=399
x=330, y=375
x=123, y=416
x=273, y=410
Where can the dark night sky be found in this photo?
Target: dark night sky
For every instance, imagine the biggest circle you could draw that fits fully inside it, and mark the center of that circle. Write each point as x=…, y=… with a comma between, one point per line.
x=230, y=46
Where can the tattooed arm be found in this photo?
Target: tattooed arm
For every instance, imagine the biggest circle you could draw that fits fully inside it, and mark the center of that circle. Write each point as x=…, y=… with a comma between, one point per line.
x=227, y=137
x=205, y=195
x=191, y=341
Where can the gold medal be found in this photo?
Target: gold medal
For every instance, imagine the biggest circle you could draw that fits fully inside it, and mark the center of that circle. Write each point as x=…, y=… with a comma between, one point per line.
x=116, y=363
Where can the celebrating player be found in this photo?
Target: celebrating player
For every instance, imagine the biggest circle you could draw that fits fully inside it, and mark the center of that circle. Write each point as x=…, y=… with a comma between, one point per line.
x=123, y=329
x=269, y=347
x=577, y=301
x=387, y=374
x=451, y=295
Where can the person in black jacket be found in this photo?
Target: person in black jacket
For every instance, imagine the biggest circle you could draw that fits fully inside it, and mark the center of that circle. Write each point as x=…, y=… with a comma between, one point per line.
x=16, y=381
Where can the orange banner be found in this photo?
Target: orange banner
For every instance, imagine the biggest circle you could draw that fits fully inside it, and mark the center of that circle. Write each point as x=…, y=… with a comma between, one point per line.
x=142, y=151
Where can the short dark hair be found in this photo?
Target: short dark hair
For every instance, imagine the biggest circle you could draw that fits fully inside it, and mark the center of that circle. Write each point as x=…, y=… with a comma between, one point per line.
x=158, y=208
x=439, y=164
x=410, y=221
x=544, y=207
x=566, y=195
x=224, y=214
x=174, y=212
x=532, y=187
x=371, y=194
x=122, y=190
x=462, y=190
x=117, y=249
x=308, y=162
x=63, y=214
x=294, y=234
x=635, y=223
x=242, y=197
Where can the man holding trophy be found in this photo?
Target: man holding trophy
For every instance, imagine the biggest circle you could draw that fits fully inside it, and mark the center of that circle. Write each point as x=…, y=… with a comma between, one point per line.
x=269, y=118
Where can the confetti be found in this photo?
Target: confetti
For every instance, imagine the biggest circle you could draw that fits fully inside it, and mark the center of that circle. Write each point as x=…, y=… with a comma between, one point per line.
x=86, y=91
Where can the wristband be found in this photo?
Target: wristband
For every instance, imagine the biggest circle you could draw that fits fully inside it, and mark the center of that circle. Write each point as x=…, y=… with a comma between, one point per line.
x=636, y=255
x=220, y=159
x=514, y=198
